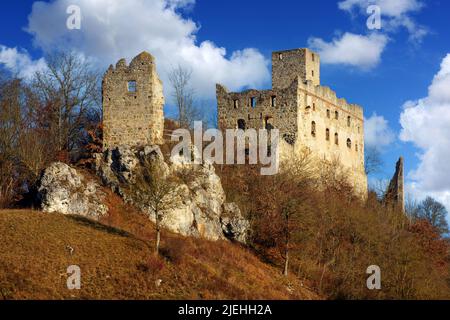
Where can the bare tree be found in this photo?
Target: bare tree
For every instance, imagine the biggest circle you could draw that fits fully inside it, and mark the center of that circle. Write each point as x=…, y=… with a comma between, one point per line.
x=42, y=117
x=21, y=155
x=435, y=213
x=373, y=161
x=411, y=207
x=69, y=87
x=281, y=200
x=159, y=191
x=184, y=96
x=379, y=186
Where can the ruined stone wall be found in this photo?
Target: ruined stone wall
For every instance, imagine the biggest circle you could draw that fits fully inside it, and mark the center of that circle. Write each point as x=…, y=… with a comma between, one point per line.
x=273, y=108
x=321, y=116
x=132, y=117
x=308, y=115
x=395, y=194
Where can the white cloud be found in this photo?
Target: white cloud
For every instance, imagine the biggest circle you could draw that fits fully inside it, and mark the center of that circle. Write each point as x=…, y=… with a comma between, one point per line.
x=377, y=133
x=351, y=49
x=20, y=63
x=391, y=8
x=113, y=29
x=396, y=14
x=426, y=123
x=364, y=51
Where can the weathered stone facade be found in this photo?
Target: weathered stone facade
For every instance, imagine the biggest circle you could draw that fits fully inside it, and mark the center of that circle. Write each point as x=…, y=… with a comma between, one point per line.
x=306, y=113
x=395, y=194
x=133, y=103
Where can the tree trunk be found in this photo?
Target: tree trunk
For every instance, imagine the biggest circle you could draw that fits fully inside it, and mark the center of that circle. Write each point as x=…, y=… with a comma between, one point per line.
x=286, y=263
x=158, y=240
x=287, y=243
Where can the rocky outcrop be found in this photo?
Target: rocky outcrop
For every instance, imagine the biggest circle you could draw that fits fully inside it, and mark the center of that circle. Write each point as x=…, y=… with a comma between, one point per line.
x=62, y=189
x=233, y=226
x=202, y=211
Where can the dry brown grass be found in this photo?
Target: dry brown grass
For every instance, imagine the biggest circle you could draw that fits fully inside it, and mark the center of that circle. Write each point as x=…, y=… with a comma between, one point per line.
x=117, y=263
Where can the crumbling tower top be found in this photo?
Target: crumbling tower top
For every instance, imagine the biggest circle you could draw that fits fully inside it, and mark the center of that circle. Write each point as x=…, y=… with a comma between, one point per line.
x=287, y=65
x=133, y=103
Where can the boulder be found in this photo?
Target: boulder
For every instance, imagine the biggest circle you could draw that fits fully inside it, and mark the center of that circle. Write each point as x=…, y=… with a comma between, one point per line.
x=62, y=189
x=234, y=226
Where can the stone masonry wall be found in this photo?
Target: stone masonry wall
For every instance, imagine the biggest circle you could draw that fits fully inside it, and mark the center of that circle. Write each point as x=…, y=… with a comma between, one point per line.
x=290, y=64
x=276, y=108
x=333, y=130
x=395, y=194
x=307, y=114
x=133, y=117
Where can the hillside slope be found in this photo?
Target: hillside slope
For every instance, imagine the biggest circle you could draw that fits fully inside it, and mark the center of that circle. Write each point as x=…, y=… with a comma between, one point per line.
x=117, y=262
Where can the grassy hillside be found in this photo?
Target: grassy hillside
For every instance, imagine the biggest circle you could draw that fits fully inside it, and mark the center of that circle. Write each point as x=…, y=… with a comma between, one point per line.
x=116, y=262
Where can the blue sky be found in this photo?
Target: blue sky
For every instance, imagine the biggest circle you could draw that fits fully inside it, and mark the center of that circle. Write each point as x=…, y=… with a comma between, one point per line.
x=380, y=70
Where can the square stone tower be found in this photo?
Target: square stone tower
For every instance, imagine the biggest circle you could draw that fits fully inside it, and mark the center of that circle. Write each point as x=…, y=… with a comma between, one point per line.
x=287, y=65
x=133, y=103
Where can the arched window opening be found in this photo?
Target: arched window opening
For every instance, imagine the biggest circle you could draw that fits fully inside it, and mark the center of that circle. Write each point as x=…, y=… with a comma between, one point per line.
x=336, y=138
x=328, y=114
x=268, y=123
x=253, y=102
x=349, y=143
x=241, y=124
x=236, y=103
x=336, y=115
x=313, y=129
x=349, y=121
x=327, y=134
x=274, y=101
x=132, y=86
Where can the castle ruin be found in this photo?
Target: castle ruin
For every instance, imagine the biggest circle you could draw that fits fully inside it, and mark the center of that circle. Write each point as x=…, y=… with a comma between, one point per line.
x=306, y=113
x=133, y=103
x=395, y=193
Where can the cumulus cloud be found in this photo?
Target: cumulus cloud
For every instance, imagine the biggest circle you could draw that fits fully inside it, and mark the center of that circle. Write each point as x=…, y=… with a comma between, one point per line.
x=377, y=133
x=351, y=49
x=396, y=14
x=113, y=29
x=364, y=51
x=391, y=8
x=426, y=124
x=20, y=63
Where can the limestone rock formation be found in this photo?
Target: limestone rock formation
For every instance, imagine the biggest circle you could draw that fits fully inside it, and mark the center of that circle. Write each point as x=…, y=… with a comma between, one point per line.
x=62, y=189
x=202, y=211
x=233, y=226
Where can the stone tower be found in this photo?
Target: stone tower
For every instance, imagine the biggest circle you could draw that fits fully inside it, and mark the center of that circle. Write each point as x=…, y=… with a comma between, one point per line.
x=287, y=65
x=133, y=103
